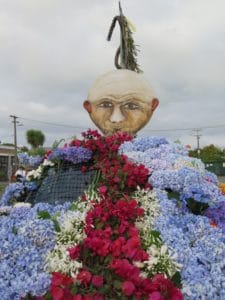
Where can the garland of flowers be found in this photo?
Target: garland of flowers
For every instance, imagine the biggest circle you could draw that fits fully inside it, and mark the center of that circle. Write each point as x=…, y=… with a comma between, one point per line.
x=112, y=250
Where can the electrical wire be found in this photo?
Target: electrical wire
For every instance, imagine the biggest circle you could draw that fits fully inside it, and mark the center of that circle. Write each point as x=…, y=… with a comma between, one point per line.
x=53, y=124
x=156, y=130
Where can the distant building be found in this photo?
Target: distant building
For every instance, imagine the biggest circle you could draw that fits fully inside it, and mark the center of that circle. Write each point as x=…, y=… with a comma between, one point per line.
x=7, y=154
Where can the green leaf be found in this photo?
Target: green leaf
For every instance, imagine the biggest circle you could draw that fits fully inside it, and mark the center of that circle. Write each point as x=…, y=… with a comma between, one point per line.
x=73, y=206
x=176, y=279
x=43, y=214
x=173, y=195
x=48, y=297
x=99, y=225
x=155, y=233
x=14, y=230
x=117, y=284
x=196, y=207
x=55, y=216
x=74, y=290
x=56, y=225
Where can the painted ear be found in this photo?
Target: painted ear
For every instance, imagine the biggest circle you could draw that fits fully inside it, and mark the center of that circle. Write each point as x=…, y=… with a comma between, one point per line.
x=87, y=106
x=155, y=103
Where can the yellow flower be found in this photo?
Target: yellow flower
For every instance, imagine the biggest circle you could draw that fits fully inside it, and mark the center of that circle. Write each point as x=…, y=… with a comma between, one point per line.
x=222, y=188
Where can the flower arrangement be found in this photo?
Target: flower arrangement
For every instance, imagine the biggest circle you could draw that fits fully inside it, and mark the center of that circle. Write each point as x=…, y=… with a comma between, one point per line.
x=148, y=227
x=28, y=160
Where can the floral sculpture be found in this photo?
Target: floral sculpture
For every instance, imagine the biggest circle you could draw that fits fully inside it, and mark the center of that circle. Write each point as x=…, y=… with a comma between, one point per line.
x=150, y=226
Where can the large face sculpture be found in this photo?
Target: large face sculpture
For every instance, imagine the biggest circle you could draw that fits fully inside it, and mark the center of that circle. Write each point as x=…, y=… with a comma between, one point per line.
x=120, y=100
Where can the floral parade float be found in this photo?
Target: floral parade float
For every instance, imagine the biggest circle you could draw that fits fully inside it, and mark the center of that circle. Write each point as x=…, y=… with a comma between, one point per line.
x=151, y=219
x=148, y=222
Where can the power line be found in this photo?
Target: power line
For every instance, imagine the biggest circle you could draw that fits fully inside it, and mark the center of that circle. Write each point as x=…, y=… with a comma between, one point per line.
x=53, y=124
x=186, y=129
x=149, y=130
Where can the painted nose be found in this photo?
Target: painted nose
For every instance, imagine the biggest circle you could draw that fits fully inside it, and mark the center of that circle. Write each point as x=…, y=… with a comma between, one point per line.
x=116, y=115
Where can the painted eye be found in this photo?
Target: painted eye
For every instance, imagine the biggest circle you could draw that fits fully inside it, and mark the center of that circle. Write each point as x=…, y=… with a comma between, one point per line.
x=131, y=106
x=105, y=104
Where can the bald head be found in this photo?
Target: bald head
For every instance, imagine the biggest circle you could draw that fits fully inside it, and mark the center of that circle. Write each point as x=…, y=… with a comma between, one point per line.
x=119, y=83
x=120, y=100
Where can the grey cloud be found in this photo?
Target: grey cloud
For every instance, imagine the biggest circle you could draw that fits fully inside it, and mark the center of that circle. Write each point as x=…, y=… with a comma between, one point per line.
x=51, y=51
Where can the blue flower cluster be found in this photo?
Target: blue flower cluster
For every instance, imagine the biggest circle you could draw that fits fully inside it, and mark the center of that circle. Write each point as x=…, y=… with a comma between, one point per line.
x=25, y=241
x=199, y=247
x=26, y=160
x=14, y=191
x=142, y=144
x=217, y=214
x=72, y=154
x=172, y=169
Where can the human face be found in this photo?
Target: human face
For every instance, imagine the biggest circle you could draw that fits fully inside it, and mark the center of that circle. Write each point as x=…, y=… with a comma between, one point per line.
x=126, y=113
x=120, y=100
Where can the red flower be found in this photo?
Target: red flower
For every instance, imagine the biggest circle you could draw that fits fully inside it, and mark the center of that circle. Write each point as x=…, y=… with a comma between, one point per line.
x=74, y=252
x=97, y=281
x=60, y=286
x=100, y=246
x=77, y=297
x=155, y=296
x=102, y=189
x=112, y=240
x=117, y=245
x=83, y=169
x=84, y=277
x=128, y=288
x=61, y=279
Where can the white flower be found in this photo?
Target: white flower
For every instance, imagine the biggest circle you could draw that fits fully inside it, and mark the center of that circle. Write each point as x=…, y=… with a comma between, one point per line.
x=47, y=162
x=21, y=204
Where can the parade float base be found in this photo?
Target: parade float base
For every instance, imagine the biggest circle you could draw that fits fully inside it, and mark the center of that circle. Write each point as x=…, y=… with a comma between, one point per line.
x=64, y=184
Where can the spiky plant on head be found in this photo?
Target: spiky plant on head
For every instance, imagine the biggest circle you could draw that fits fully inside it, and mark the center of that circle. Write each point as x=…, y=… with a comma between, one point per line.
x=126, y=54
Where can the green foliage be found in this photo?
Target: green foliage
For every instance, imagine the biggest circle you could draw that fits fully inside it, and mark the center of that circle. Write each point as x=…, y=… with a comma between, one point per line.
x=210, y=153
x=196, y=207
x=35, y=138
x=45, y=215
x=177, y=280
x=37, y=151
x=24, y=149
x=7, y=144
x=56, y=144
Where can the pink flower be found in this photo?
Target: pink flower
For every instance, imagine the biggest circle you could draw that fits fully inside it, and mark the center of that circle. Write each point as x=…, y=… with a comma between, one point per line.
x=128, y=288
x=102, y=189
x=155, y=296
x=97, y=281
x=84, y=277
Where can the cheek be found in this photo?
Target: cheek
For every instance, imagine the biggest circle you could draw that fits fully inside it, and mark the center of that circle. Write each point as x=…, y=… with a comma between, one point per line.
x=100, y=115
x=136, y=116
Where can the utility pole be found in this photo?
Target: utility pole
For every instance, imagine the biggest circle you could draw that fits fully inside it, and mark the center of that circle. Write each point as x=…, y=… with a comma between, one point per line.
x=14, y=121
x=197, y=135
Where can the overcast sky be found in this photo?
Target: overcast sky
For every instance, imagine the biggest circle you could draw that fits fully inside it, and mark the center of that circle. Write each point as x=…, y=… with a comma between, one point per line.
x=52, y=50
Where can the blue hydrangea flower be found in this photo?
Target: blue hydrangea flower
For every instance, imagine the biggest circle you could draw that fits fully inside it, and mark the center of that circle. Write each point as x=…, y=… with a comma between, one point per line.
x=25, y=241
x=72, y=154
x=27, y=160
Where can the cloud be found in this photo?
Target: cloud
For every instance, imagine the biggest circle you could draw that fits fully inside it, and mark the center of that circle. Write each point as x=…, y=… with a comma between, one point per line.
x=51, y=51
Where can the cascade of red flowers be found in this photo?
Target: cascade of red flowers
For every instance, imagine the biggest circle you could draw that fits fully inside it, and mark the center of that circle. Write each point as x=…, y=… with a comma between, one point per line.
x=112, y=242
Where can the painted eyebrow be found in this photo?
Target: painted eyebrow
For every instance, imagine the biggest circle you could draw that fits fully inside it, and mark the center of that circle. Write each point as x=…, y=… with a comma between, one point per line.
x=124, y=100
